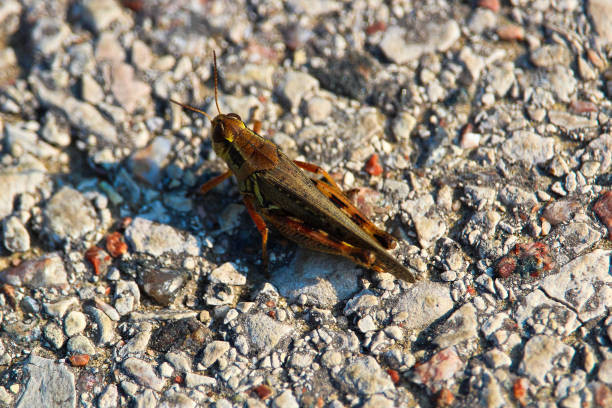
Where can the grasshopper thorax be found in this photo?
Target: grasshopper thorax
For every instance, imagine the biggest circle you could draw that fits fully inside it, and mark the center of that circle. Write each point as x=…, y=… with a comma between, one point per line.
x=243, y=150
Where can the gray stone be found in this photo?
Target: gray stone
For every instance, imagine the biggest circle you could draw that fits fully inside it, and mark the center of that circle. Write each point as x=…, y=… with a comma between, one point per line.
x=301, y=360
x=178, y=202
x=424, y=302
x=156, y=239
x=570, y=122
x=502, y=78
x=47, y=271
x=599, y=150
x=604, y=374
x=49, y=35
x=364, y=376
x=105, y=330
x=514, y=196
x=55, y=131
x=69, y=215
x=577, y=237
x=473, y=63
x=583, y=284
x=213, y=351
x=323, y=279
x=227, y=274
x=100, y=14
x=147, y=163
x=91, y=91
x=285, y=400
x=193, y=380
x=265, y=333
x=49, y=385
x=109, y=398
x=481, y=20
x=437, y=36
x=80, y=345
x=294, y=86
x=491, y=394
x=460, y=326
x=537, y=303
x=314, y=8
x=562, y=83
x=16, y=236
x=144, y=399
x=163, y=285
x=58, y=309
x=543, y=355
x=141, y=56
x=529, y=147
x=395, y=47
x=127, y=296
x=109, y=49
x=403, y=126
x=74, y=323
x=601, y=14
x=130, y=92
x=551, y=55
x=80, y=114
x=362, y=302
x=19, y=138
x=143, y=373
x=496, y=358
x=318, y=109
x=429, y=228
x=26, y=176
x=137, y=344
x=378, y=401
x=366, y=324
x=479, y=197
x=54, y=335
x=180, y=362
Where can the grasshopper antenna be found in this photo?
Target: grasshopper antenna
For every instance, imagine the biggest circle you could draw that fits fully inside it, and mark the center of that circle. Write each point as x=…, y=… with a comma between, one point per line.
x=191, y=108
x=216, y=81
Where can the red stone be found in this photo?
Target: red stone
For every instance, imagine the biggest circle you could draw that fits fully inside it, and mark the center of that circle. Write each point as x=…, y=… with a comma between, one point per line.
x=492, y=5
x=79, y=360
x=519, y=390
x=603, y=209
x=115, y=244
x=394, y=375
x=445, y=398
x=376, y=27
x=263, y=391
x=579, y=106
x=511, y=32
x=98, y=258
x=373, y=166
x=506, y=266
x=441, y=366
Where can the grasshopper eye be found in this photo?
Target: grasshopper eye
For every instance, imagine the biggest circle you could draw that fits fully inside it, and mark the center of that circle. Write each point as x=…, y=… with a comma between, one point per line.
x=218, y=134
x=234, y=116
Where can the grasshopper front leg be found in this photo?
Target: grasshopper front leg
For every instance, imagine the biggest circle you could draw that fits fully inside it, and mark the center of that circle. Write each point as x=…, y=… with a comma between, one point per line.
x=214, y=182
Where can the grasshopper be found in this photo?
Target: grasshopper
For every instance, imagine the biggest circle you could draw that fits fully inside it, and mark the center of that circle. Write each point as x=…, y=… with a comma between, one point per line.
x=310, y=211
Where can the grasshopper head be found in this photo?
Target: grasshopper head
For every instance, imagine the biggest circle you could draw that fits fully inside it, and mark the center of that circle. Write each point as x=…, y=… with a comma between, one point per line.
x=243, y=150
x=226, y=128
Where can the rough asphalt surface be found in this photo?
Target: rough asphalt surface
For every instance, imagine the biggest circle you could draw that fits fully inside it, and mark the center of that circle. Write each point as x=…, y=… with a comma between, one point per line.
x=476, y=132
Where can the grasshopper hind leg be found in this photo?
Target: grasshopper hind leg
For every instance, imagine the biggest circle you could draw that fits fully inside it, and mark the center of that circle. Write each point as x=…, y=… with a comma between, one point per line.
x=262, y=228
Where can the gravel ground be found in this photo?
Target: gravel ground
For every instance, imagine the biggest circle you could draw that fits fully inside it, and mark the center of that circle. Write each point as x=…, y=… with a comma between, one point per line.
x=477, y=132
